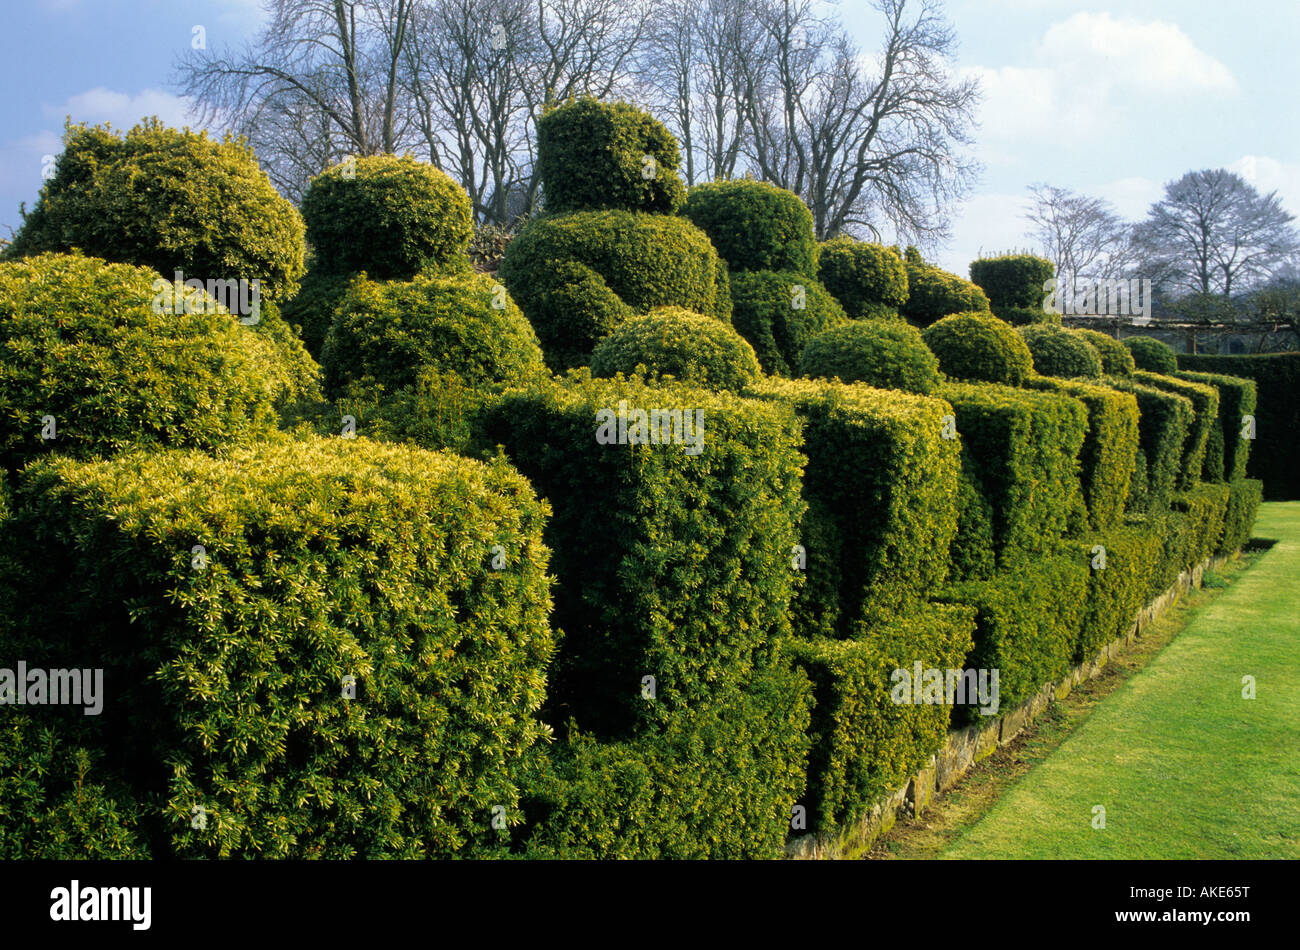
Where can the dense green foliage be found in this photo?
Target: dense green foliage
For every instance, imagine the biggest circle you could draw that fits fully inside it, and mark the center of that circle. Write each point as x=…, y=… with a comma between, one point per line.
x=390, y=216
x=1164, y=421
x=389, y=331
x=878, y=465
x=1116, y=358
x=1237, y=399
x=82, y=341
x=1028, y=316
x=688, y=346
x=228, y=599
x=311, y=309
x=1151, y=355
x=865, y=744
x=1058, y=352
x=593, y=154
x=862, y=276
x=1021, y=447
x=1206, y=507
x=779, y=313
x=1012, y=280
x=1110, y=447
x=171, y=201
x=755, y=225
x=979, y=346
x=1244, y=496
x=1205, y=408
x=887, y=354
x=1274, y=458
x=638, y=523
x=933, y=293
x=1121, y=562
x=577, y=276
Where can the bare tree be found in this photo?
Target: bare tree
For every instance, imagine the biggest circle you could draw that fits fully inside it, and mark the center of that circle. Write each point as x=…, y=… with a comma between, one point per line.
x=1213, y=233
x=1083, y=236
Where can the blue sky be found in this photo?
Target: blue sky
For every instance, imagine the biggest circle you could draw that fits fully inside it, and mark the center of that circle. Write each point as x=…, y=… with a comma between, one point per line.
x=1109, y=98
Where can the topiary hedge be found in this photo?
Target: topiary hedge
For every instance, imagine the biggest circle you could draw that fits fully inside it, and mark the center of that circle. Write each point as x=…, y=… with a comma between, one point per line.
x=879, y=465
x=865, y=745
x=167, y=200
x=1121, y=562
x=1237, y=399
x=638, y=523
x=1273, y=455
x=1012, y=280
x=94, y=358
x=387, y=332
x=1110, y=448
x=1021, y=449
x=1027, y=626
x=390, y=216
x=1057, y=352
x=1028, y=316
x=311, y=309
x=779, y=313
x=1244, y=496
x=593, y=154
x=755, y=225
x=229, y=600
x=884, y=354
x=1164, y=421
x=862, y=276
x=1206, y=507
x=1205, y=406
x=1151, y=355
x=676, y=342
x=979, y=346
x=933, y=293
x=1116, y=358
x=577, y=276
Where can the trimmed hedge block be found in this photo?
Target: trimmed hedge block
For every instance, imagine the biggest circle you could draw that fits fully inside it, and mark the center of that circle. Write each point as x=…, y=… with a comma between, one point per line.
x=1237, y=399
x=1164, y=421
x=1121, y=563
x=880, y=468
x=1151, y=355
x=1116, y=358
x=933, y=293
x=1012, y=280
x=1206, y=507
x=1110, y=448
x=1021, y=448
x=1244, y=496
x=1205, y=406
x=673, y=560
x=675, y=342
x=864, y=744
x=1057, y=352
x=229, y=600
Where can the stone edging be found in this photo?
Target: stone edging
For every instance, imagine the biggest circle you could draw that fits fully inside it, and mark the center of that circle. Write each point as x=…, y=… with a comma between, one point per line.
x=965, y=747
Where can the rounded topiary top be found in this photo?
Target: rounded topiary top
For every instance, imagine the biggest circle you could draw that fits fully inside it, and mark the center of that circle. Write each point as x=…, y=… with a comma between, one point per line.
x=979, y=346
x=779, y=312
x=676, y=342
x=94, y=357
x=1012, y=280
x=1058, y=352
x=461, y=324
x=933, y=293
x=862, y=276
x=170, y=200
x=755, y=225
x=593, y=155
x=391, y=217
x=1151, y=355
x=881, y=353
x=1116, y=360
x=1026, y=316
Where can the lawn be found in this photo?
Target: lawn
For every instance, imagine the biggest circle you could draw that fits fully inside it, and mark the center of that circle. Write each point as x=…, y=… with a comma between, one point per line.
x=1182, y=763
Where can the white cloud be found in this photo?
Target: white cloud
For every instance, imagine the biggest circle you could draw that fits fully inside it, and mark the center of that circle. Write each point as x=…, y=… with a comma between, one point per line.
x=987, y=224
x=1269, y=174
x=1131, y=197
x=123, y=110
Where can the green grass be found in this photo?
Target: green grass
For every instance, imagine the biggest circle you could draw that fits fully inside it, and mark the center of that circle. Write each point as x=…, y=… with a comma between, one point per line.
x=1184, y=766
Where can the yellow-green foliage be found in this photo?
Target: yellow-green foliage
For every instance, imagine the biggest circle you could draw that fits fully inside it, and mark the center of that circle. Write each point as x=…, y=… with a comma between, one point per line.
x=670, y=341
x=1205, y=408
x=1121, y=562
x=755, y=225
x=1058, y=352
x=389, y=216
x=933, y=293
x=83, y=342
x=169, y=200
x=1237, y=399
x=1012, y=280
x=864, y=744
x=1206, y=506
x=880, y=469
x=1164, y=420
x=779, y=313
x=1244, y=496
x=979, y=346
x=887, y=354
x=228, y=599
x=861, y=276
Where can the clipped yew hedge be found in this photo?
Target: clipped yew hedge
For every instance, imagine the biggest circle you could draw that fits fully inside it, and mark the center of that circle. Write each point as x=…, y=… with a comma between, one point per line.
x=1121, y=561
x=1116, y=358
x=863, y=277
x=1205, y=408
x=1057, y=352
x=864, y=745
x=228, y=599
x=779, y=313
x=880, y=469
x=1206, y=506
x=1012, y=280
x=1237, y=399
x=1244, y=496
x=979, y=346
x=933, y=293
x=669, y=341
x=755, y=225
x=887, y=354
x=1164, y=421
